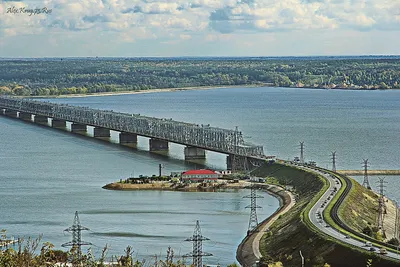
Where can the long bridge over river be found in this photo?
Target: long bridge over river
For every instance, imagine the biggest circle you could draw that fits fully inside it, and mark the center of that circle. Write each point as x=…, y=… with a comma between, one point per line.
x=197, y=138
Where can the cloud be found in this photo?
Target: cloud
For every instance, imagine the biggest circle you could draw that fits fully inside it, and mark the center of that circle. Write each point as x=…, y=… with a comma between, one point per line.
x=181, y=20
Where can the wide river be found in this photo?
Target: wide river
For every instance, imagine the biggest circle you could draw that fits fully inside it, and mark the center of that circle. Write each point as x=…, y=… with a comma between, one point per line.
x=46, y=174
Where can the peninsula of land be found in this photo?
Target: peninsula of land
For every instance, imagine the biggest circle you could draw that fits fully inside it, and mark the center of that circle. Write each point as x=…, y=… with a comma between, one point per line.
x=171, y=186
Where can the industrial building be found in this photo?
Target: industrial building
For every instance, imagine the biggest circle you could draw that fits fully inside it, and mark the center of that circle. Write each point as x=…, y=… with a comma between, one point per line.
x=200, y=176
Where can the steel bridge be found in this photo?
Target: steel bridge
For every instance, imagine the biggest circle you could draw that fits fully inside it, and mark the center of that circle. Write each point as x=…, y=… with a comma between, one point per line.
x=160, y=131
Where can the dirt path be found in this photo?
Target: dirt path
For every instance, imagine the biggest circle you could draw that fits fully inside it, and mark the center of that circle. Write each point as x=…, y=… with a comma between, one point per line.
x=248, y=252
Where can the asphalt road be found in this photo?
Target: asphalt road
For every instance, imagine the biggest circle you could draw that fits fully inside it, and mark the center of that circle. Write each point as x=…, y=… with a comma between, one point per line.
x=316, y=216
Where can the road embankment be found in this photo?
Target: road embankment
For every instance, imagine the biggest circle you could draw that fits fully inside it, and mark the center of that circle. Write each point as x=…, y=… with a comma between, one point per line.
x=370, y=172
x=248, y=252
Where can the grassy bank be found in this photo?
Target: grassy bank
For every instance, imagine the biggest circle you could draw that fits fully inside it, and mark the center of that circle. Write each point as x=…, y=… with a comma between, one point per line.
x=360, y=209
x=290, y=234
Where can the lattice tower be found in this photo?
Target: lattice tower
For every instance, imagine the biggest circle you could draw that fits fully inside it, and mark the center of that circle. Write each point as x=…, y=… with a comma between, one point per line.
x=76, y=242
x=334, y=161
x=253, y=221
x=366, y=182
x=197, y=254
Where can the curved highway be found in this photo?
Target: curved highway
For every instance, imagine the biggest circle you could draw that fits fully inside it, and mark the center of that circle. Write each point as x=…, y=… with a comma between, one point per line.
x=317, y=219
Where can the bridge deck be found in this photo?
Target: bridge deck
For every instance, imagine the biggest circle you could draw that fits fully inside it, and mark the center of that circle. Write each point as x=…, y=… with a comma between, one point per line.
x=195, y=135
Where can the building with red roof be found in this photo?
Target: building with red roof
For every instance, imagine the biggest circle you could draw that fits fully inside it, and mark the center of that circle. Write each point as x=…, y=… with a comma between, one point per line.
x=200, y=175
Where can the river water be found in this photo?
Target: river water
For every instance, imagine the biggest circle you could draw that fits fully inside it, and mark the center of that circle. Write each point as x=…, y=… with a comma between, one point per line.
x=47, y=174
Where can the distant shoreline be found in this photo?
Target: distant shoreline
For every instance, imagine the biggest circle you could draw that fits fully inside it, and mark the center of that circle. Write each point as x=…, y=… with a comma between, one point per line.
x=148, y=91
x=161, y=90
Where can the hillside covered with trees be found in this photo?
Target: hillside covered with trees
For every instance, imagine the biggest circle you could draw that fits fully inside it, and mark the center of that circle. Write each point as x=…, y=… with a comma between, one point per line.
x=93, y=75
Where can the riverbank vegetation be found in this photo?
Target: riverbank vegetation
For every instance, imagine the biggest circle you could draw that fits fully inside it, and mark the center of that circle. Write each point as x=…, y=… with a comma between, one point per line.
x=290, y=234
x=44, y=77
x=35, y=253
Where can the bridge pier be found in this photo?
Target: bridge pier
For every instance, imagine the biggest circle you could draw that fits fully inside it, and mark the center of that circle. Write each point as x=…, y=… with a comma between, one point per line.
x=101, y=132
x=194, y=153
x=11, y=113
x=78, y=128
x=238, y=163
x=57, y=123
x=25, y=116
x=158, y=145
x=40, y=119
x=128, y=139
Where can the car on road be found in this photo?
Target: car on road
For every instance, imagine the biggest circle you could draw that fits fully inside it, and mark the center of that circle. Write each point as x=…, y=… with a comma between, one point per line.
x=347, y=236
x=368, y=244
x=372, y=249
x=382, y=251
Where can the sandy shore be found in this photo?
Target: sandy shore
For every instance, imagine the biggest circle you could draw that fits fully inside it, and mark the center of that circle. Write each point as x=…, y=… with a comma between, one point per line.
x=167, y=186
x=148, y=91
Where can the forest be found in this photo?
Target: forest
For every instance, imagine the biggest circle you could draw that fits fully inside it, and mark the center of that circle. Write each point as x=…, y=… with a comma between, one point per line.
x=62, y=76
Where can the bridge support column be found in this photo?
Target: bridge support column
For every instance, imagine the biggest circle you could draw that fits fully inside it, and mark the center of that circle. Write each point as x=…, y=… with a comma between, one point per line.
x=101, y=132
x=78, y=128
x=238, y=163
x=11, y=113
x=25, y=116
x=40, y=119
x=194, y=153
x=57, y=123
x=128, y=139
x=158, y=145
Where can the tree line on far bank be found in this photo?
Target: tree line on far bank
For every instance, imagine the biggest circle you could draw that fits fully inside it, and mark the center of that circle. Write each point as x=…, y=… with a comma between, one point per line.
x=83, y=76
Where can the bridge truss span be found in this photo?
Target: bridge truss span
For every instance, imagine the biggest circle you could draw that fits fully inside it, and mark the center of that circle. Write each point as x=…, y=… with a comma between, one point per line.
x=201, y=136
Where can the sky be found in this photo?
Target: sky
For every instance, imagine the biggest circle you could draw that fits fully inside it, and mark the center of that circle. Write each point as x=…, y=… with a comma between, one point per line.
x=170, y=28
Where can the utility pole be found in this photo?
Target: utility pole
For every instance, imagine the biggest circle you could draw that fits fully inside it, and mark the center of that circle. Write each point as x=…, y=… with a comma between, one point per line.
x=76, y=242
x=302, y=152
x=382, y=205
x=334, y=161
x=366, y=182
x=197, y=254
x=253, y=222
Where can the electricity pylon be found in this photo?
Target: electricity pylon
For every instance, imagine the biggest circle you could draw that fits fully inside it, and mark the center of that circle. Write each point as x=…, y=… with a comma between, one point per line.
x=366, y=182
x=253, y=221
x=302, y=152
x=197, y=254
x=76, y=242
x=382, y=205
x=334, y=161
